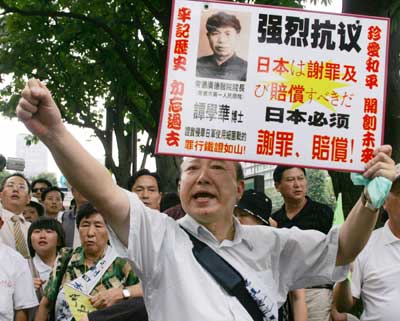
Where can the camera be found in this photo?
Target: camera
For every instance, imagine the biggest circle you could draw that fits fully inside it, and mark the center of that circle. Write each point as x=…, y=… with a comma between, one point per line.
x=12, y=163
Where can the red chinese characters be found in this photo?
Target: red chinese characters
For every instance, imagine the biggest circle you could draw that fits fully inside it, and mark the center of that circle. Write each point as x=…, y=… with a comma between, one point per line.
x=174, y=123
x=369, y=119
x=277, y=143
x=214, y=147
x=329, y=148
x=181, y=44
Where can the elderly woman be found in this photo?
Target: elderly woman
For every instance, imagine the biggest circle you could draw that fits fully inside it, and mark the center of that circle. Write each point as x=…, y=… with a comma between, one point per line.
x=93, y=269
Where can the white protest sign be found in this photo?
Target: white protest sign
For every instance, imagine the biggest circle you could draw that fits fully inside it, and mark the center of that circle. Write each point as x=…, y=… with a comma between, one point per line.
x=274, y=85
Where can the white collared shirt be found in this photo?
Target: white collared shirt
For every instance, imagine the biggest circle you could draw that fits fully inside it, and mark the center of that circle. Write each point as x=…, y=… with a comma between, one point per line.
x=16, y=286
x=42, y=268
x=176, y=287
x=376, y=276
x=7, y=231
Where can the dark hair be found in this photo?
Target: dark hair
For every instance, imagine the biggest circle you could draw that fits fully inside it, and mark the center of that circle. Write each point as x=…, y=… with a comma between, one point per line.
x=85, y=211
x=51, y=189
x=3, y=182
x=143, y=172
x=222, y=19
x=168, y=200
x=41, y=180
x=278, y=172
x=46, y=223
x=39, y=207
x=239, y=171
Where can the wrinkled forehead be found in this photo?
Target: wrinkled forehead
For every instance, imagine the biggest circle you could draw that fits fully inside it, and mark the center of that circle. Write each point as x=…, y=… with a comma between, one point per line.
x=53, y=194
x=187, y=161
x=146, y=180
x=293, y=172
x=93, y=218
x=16, y=180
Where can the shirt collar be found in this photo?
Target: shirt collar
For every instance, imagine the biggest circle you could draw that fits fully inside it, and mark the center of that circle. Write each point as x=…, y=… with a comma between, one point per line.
x=202, y=232
x=40, y=265
x=388, y=236
x=6, y=214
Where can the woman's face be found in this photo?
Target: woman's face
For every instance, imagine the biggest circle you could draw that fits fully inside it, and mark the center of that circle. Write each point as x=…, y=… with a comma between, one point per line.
x=44, y=241
x=93, y=234
x=53, y=203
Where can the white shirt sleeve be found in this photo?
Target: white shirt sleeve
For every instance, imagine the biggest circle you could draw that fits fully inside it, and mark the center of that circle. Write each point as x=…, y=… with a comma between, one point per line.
x=24, y=295
x=356, y=278
x=147, y=232
x=309, y=258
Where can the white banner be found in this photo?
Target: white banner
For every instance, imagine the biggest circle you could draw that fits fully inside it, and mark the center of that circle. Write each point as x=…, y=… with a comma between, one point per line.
x=274, y=85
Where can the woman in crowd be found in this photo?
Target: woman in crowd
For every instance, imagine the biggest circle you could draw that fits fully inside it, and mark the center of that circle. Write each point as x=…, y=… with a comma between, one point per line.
x=45, y=239
x=93, y=269
x=52, y=199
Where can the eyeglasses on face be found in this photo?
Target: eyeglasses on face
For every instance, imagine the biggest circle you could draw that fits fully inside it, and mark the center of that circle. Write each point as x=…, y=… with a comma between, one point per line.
x=21, y=187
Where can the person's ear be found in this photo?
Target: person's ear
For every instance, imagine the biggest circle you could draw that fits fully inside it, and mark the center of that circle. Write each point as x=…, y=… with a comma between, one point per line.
x=240, y=189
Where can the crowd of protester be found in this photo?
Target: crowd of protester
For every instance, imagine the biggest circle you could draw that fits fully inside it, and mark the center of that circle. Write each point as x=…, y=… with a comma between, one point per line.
x=134, y=263
x=60, y=246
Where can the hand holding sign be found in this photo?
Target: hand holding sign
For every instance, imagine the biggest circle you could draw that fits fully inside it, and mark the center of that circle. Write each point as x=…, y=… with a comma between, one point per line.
x=79, y=303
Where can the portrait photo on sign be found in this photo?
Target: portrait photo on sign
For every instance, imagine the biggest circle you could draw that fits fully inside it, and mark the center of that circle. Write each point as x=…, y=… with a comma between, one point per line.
x=223, y=45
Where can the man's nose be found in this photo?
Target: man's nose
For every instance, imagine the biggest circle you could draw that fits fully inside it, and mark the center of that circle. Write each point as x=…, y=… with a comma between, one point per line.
x=203, y=176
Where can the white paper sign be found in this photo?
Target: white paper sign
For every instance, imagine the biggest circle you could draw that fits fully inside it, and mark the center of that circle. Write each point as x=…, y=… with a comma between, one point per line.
x=274, y=85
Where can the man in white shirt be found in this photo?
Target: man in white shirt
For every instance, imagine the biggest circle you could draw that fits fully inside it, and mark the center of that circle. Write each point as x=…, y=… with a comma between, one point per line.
x=15, y=195
x=17, y=294
x=176, y=287
x=376, y=276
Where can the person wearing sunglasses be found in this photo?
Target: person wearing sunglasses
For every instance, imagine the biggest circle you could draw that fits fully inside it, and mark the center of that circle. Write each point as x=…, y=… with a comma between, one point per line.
x=38, y=186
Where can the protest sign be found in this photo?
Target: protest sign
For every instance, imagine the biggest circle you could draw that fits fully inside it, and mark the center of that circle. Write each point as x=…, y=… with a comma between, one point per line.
x=274, y=85
x=78, y=302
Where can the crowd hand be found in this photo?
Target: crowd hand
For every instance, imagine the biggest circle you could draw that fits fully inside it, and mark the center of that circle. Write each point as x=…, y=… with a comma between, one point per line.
x=106, y=298
x=37, y=283
x=382, y=164
x=37, y=109
x=336, y=316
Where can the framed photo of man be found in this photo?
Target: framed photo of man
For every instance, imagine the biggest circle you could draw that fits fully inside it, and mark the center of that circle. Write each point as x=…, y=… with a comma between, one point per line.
x=223, y=45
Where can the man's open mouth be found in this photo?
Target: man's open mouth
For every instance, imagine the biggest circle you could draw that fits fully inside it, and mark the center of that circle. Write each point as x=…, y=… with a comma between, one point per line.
x=203, y=195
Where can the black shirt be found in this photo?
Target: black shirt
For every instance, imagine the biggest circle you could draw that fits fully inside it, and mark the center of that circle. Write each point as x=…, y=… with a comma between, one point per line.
x=234, y=68
x=313, y=216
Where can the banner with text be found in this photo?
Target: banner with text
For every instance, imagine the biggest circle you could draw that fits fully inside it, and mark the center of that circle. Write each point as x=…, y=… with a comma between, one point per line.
x=274, y=85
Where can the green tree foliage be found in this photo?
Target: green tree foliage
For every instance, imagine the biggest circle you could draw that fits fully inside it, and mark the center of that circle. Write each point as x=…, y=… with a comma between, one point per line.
x=276, y=198
x=3, y=173
x=95, y=51
x=319, y=187
x=51, y=177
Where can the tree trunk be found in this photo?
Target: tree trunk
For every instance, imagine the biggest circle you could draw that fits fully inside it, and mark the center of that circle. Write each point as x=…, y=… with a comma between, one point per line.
x=168, y=169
